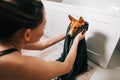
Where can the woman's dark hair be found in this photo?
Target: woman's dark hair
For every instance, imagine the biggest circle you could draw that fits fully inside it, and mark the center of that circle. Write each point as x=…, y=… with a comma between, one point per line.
x=18, y=14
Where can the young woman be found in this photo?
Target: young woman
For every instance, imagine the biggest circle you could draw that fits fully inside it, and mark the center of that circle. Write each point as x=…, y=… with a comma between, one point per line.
x=22, y=24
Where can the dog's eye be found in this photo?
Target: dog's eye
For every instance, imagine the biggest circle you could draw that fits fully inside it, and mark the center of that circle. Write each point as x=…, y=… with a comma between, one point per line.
x=75, y=27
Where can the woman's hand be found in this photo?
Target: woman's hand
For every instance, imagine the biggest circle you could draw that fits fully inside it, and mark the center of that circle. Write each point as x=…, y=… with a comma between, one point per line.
x=80, y=35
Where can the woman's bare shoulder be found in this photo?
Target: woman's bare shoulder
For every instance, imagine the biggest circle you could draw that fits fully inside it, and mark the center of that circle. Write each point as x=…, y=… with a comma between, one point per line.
x=26, y=67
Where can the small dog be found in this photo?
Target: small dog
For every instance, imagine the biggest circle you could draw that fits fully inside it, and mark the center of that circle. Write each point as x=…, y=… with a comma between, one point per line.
x=80, y=64
x=75, y=25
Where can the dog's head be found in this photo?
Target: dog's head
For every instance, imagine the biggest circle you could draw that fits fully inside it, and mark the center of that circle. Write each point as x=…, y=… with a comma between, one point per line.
x=75, y=25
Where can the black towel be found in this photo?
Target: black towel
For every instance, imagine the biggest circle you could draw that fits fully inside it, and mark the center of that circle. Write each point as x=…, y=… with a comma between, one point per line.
x=80, y=64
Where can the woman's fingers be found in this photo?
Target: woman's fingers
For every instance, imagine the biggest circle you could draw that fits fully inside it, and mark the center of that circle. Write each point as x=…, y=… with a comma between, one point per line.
x=83, y=31
x=81, y=35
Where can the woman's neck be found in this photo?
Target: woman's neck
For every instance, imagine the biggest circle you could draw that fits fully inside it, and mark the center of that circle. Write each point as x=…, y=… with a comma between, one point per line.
x=8, y=46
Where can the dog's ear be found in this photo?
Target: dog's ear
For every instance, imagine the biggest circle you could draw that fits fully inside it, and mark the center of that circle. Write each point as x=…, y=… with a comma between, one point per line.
x=81, y=20
x=71, y=18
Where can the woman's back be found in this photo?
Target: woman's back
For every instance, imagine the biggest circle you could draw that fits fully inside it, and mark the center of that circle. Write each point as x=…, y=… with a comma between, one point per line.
x=14, y=66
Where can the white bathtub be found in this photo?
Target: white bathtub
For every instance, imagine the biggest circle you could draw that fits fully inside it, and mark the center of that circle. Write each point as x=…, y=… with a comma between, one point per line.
x=104, y=25
x=98, y=4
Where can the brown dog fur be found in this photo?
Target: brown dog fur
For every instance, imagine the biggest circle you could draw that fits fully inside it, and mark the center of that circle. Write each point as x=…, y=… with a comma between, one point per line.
x=75, y=24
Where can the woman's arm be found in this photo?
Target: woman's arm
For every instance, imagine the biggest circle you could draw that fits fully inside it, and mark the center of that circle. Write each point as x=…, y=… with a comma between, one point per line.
x=45, y=43
x=46, y=70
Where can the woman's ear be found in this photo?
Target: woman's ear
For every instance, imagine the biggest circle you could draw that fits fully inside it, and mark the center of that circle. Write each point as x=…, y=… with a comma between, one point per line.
x=27, y=35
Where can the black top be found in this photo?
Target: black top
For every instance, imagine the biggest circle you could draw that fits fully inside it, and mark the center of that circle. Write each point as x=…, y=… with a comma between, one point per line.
x=8, y=51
